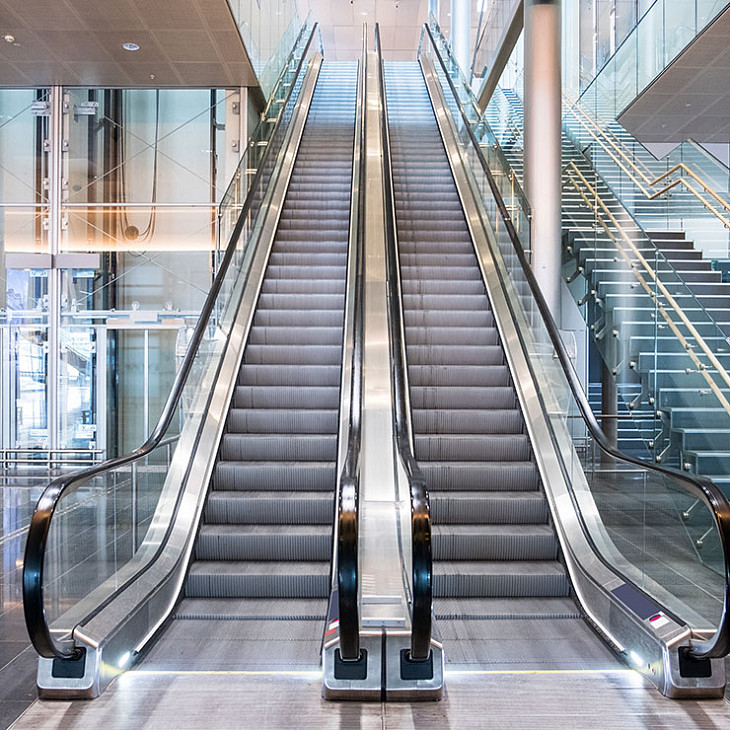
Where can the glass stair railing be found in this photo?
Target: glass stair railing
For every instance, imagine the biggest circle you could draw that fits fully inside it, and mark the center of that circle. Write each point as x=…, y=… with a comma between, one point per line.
x=686, y=190
x=235, y=195
x=661, y=34
x=665, y=341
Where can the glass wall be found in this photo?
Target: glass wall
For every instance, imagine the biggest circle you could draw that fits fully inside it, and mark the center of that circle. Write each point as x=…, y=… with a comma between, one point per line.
x=633, y=41
x=105, y=260
x=269, y=29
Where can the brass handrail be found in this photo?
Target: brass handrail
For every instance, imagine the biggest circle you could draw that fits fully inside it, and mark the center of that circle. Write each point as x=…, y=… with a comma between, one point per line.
x=651, y=183
x=657, y=281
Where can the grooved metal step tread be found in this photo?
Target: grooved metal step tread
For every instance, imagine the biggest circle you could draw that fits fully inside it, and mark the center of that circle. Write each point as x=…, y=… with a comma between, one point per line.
x=280, y=476
x=252, y=608
x=497, y=609
x=280, y=542
x=494, y=542
x=259, y=567
x=495, y=476
x=297, y=508
x=284, y=530
x=492, y=508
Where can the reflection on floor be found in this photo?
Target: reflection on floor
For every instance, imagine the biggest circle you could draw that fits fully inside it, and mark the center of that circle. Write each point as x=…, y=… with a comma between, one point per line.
x=222, y=700
x=19, y=492
x=599, y=693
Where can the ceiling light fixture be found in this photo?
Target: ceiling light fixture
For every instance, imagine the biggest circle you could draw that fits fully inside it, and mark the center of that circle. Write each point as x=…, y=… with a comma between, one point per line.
x=130, y=46
x=9, y=38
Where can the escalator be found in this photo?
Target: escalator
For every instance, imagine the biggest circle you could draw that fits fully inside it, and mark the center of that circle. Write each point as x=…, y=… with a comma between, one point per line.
x=211, y=548
x=501, y=591
x=262, y=556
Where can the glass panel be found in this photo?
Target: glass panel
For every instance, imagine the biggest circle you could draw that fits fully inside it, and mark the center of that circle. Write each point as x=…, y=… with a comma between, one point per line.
x=646, y=524
x=679, y=27
x=664, y=30
x=108, y=527
x=268, y=29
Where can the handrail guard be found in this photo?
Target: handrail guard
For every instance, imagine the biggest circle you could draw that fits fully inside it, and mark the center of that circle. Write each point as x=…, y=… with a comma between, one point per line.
x=349, y=488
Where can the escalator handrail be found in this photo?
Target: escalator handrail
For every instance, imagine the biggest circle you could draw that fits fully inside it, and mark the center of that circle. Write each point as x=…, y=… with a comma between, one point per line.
x=422, y=559
x=700, y=487
x=349, y=488
x=33, y=593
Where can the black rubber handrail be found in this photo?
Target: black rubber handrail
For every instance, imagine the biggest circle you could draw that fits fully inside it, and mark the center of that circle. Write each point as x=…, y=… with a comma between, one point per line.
x=422, y=560
x=349, y=491
x=700, y=487
x=35, y=549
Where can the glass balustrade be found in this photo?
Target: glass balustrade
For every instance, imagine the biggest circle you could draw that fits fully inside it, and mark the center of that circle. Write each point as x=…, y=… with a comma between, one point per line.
x=661, y=34
x=644, y=523
x=108, y=525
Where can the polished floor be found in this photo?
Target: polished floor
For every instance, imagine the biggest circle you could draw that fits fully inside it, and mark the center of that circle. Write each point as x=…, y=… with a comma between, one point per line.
x=569, y=700
x=166, y=694
x=19, y=494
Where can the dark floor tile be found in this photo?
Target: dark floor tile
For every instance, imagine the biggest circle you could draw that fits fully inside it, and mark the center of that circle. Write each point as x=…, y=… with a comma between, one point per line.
x=17, y=678
x=9, y=650
x=10, y=711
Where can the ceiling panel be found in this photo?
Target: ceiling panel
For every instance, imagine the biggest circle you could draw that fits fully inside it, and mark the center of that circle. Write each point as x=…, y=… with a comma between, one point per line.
x=80, y=42
x=400, y=24
x=691, y=99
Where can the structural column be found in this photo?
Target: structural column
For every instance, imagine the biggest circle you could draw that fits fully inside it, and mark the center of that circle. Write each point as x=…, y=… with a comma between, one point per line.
x=55, y=214
x=542, y=142
x=433, y=9
x=461, y=34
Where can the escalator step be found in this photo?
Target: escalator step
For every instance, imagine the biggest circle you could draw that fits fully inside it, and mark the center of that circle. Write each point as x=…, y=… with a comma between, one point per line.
x=286, y=396
x=494, y=508
x=264, y=542
x=494, y=542
x=460, y=447
x=518, y=579
x=270, y=447
x=274, y=475
x=270, y=507
x=258, y=579
x=481, y=476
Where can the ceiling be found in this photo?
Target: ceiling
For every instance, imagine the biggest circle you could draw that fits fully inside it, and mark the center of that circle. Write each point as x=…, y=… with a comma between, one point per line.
x=691, y=99
x=400, y=23
x=181, y=42
x=79, y=42
x=341, y=23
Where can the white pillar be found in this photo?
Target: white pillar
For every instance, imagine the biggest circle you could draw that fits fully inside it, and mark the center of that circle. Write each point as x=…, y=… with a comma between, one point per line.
x=542, y=142
x=55, y=213
x=461, y=34
x=433, y=9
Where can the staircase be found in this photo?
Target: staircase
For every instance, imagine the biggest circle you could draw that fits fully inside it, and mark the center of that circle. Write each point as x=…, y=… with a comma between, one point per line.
x=624, y=321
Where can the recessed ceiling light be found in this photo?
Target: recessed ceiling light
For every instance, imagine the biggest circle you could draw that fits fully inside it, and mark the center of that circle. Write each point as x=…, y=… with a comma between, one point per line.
x=9, y=38
x=130, y=46
x=688, y=104
x=364, y=12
